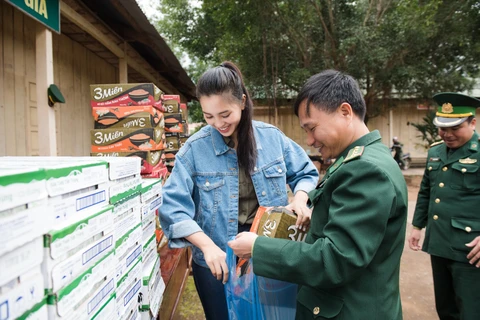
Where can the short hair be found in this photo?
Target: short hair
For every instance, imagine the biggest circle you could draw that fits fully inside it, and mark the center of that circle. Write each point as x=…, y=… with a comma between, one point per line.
x=327, y=90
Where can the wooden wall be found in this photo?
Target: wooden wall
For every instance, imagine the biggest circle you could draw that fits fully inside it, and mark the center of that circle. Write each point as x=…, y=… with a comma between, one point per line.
x=75, y=68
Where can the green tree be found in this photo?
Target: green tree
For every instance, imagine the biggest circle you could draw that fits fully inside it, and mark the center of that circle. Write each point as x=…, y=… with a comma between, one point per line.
x=428, y=131
x=394, y=48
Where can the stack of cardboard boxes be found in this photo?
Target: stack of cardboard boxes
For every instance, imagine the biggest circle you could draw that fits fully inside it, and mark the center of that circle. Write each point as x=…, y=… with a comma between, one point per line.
x=129, y=121
x=176, y=127
x=76, y=239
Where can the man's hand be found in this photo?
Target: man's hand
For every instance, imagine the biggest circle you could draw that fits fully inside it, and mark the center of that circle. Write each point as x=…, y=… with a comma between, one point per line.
x=474, y=255
x=299, y=207
x=414, y=239
x=243, y=244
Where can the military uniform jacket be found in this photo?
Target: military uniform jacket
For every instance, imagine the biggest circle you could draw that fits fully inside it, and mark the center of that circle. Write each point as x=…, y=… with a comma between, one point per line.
x=448, y=201
x=348, y=266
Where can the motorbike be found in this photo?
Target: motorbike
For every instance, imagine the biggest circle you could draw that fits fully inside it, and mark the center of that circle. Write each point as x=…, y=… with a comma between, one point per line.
x=406, y=161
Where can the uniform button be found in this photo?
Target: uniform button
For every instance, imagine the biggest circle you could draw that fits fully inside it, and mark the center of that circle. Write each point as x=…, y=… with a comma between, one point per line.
x=441, y=185
x=255, y=169
x=437, y=200
x=430, y=168
x=435, y=217
x=464, y=170
x=264, y=193
x=468, y=229
x=444, y=168
x=316, y=310
x=207, y=184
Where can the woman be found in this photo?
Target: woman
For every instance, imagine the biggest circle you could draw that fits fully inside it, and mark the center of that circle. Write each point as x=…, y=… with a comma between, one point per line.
x=222, y=174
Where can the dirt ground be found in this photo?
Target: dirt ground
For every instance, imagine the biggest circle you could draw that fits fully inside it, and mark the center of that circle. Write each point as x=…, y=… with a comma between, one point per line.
x=416, y=284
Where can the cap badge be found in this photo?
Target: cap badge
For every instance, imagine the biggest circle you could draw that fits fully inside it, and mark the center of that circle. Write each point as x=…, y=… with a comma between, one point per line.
x=467, y=161
x=447, y=108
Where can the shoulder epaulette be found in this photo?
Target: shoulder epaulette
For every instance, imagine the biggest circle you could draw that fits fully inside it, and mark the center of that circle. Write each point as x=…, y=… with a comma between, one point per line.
x=354, y=153
x=436, y=143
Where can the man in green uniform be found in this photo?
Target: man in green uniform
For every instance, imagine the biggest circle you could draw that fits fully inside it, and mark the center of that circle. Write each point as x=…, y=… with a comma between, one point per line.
x=448, y=205
x=348, y=266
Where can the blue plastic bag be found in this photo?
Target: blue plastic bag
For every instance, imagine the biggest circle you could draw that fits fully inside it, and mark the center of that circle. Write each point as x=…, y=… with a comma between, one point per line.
x=251, y=297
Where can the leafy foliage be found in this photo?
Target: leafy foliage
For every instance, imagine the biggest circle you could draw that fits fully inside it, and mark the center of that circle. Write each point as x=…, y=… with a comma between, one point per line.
x=394, y=48
x=428, y=131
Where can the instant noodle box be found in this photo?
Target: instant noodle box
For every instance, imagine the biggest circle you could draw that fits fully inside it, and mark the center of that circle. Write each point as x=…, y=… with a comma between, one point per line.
x=125, y=94
x=136, y=120
x=127, y=140
x=117, y=113
x=277, y=222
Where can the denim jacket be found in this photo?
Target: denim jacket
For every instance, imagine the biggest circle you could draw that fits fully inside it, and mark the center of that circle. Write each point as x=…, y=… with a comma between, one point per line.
x=201, y=193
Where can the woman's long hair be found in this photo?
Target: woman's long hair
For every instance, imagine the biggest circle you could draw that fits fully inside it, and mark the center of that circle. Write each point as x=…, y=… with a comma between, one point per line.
x=227, y=80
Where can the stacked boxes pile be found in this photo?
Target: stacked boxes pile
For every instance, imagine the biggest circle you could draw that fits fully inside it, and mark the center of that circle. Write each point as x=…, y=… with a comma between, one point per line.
x=176, y=127
x=75, y=237
x=129, y=122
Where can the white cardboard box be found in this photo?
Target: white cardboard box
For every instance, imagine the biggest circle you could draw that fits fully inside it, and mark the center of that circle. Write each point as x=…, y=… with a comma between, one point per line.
x=125, y=215
x=37, y=312
x=19, y=186
x=151, y=188
x=84, y=296
x=124, y=188
x=21, y=294
x=128, y=250
x=122, y=167
x=151, y=293
x=108, y=311
x=23, y=223
x=77, y=247
x=63, y=174
x=18, y=261
x=128, y=288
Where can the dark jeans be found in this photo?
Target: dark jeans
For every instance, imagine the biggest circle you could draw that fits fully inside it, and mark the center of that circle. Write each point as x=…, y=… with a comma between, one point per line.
x=211, y=291
x=456, y=289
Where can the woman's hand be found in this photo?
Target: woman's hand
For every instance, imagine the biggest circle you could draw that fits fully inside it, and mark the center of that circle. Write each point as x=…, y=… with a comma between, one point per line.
x=299, y=207
x=215, y=257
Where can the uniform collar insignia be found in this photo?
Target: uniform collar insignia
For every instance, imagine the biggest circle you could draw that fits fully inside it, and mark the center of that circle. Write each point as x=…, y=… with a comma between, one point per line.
x=467, y=161
x=434, y=159
x=474, y=145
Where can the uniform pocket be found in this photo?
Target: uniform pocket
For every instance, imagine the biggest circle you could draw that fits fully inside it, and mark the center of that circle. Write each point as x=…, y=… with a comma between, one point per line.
x=464, y=176
x=321, y=304
x=464, y=231
x=433, y=168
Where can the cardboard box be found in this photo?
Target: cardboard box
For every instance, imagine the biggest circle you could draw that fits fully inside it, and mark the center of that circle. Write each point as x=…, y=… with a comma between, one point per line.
x=119, y=168
x=128, y=287
x=21, y=294
x=125, y=94
x=18, y=261
x=73, y=206
x=108, y=311
x=151, y=293
x=167, y=97
x=127, y=140
x=20, y=185
x=124, y=188
x=76, y=247
x=149, y=251
x=84, y=296
x=128, y=250
x=125, y=215
x=37, y=312
x=137, y=120
x=151, y=189
x=23, y=223
x=63, y=174
x=277, y=222
x=119, y=113
x=172, y=142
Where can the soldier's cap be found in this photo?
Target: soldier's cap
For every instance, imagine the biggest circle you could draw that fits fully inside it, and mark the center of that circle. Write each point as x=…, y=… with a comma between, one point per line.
x=454, y=109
